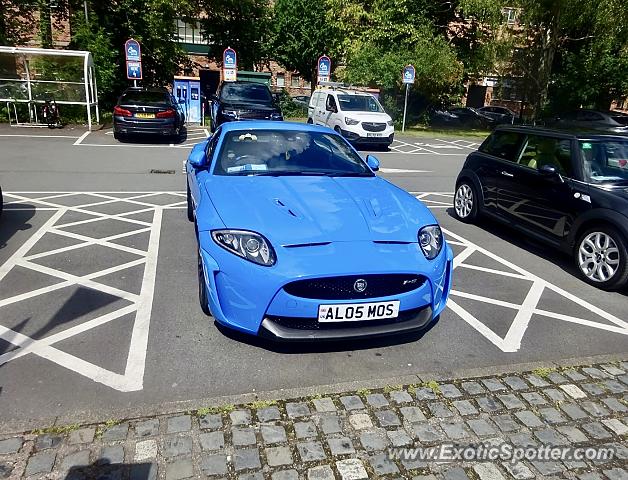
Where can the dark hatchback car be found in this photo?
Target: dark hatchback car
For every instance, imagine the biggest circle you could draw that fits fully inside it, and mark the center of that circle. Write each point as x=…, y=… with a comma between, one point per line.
x=501, y=115
x=147, y=111
x=243, y=101
x=607, y=122
x=567, y=190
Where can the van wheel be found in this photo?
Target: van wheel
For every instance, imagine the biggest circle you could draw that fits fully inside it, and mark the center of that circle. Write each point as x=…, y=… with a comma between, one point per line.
x=602, y=257
x=466, y=202
x=310, y=121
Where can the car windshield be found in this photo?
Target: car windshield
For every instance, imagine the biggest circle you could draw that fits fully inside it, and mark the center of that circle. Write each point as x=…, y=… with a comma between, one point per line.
x=143, y=98
x=280, y=152
x=240, y=92
x=359, y=103
x=604, y=161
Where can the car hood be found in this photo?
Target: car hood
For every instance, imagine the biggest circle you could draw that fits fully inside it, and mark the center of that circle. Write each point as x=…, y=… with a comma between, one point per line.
x=249, y=106
x=367, y=116
x=301, y=210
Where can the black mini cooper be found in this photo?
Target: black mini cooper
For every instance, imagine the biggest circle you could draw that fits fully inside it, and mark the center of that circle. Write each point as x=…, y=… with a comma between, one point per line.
x=568, y=190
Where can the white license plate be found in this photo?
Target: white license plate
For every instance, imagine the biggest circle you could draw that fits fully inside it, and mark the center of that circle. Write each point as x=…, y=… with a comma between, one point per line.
x=371, y=134
x=356, y=312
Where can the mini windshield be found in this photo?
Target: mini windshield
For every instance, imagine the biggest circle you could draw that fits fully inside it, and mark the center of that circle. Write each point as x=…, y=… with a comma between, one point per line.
x=246, y=92
x=359, y=103
x=279, y=153
x=604, y=161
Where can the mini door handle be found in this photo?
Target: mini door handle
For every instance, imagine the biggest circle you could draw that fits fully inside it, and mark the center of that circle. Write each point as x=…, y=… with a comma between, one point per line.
x=506, y=174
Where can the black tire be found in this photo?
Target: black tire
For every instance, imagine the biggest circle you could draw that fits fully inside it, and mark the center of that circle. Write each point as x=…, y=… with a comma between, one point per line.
x=587, y=253
x=119, y=136
x=203, y=296
x=310, y=121
x=466, y=207
x=190, y=206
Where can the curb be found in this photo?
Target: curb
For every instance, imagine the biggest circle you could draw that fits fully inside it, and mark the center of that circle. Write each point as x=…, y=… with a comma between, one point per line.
x=93, y=417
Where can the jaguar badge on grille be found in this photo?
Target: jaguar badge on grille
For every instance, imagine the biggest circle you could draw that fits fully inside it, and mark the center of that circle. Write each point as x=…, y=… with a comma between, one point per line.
x=360, y=285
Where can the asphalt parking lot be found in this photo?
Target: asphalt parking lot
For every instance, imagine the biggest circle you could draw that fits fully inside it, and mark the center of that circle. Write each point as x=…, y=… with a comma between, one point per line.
x=98, y=294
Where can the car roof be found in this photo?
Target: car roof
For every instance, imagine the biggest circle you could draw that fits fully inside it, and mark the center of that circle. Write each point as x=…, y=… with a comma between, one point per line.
x=565, y=133
x=343, y=91
x=274, y=125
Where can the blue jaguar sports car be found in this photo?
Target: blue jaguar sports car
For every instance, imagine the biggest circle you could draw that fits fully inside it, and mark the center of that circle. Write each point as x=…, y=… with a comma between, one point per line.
x=300, y=240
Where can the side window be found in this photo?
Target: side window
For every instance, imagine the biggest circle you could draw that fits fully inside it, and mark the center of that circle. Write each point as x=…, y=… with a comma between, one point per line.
x=540, y=150
x=314, y=99
x=504, y=145
x=331, y=102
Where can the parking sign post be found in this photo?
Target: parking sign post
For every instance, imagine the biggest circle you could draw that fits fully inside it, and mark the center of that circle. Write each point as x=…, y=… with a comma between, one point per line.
x=323, y=69
x=407, y=78
x=133, y=56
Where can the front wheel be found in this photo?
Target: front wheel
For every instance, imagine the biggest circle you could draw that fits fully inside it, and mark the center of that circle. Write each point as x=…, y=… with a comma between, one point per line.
x=310, y=121
x=190, y=205
x=466, y=202
x=602, y=258
x=203, y=296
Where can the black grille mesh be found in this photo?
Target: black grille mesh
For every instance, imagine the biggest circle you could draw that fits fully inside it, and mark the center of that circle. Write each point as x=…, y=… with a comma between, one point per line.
x=373, y=126
x=343, y=288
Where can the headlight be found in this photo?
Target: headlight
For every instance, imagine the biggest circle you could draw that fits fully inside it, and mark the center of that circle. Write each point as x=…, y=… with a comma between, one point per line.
x=276, y=116
x=249, y=245
x=431, y=241
x=230, y=113
x=390, y=123
x=351, y=121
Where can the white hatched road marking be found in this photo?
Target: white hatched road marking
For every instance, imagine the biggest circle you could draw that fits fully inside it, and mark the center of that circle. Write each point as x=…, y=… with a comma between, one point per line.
x=194, y=136
x=141, y=304
x=431, y=148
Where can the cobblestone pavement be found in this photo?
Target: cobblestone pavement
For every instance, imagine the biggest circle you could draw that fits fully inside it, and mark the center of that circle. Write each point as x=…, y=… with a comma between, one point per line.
x=350, y=436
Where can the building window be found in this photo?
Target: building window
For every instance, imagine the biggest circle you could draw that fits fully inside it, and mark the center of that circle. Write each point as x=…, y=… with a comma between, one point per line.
x=295, y=80
x=510, y=15
x=307, y=85
x=281, y=80
x=190, y=33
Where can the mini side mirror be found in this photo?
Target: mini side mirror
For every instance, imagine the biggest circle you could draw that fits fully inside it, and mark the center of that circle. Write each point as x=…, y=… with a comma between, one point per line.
x=198, y=155
x=372, y=162
x=550, y=171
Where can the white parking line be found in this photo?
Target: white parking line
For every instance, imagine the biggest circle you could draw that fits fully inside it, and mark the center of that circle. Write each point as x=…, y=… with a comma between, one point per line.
x=35, y=136
x=81, y=138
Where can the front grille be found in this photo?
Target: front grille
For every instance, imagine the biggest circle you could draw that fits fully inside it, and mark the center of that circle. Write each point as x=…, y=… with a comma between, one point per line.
x=254, y=114
x=373, y=127
x=344, y=288
x=301, y=323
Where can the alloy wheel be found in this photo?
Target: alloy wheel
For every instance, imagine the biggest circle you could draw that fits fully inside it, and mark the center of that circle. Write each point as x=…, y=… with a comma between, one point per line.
x=598, y=257
x=463, y=201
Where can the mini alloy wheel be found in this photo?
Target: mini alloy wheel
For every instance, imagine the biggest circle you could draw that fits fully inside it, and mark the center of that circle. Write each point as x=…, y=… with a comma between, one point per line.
x=465, y=204
x=601, y=258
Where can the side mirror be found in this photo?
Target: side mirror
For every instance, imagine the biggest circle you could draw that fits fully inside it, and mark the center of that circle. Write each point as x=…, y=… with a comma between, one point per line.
x=372, y=162
x=198, y=155
x=550, y=171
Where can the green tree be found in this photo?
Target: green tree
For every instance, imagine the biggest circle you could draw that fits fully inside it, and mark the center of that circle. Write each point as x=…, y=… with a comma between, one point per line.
x=240, y=24
x=301, y=33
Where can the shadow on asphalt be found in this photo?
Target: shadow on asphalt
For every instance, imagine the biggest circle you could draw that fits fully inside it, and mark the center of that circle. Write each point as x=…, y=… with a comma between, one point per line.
x=103, y=469
x=512, y=236
x=154, y=139
x=327, y=346
x=13, y=221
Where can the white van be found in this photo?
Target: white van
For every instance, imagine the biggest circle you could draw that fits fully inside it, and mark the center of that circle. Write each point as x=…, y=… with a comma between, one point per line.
x=356, y=115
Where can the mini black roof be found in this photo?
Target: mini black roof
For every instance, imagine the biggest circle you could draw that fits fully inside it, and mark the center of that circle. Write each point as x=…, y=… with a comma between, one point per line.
x=560, y=132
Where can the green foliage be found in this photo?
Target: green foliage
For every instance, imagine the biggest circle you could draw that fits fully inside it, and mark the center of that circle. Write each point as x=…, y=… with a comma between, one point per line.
x=301, y=33
x=289, y=108
x=239, y=24
x=16, y=21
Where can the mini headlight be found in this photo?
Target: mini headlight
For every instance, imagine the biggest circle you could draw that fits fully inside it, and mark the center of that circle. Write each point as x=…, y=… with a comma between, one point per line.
x=249, y=245
x=431, y=241
x=351, y=121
